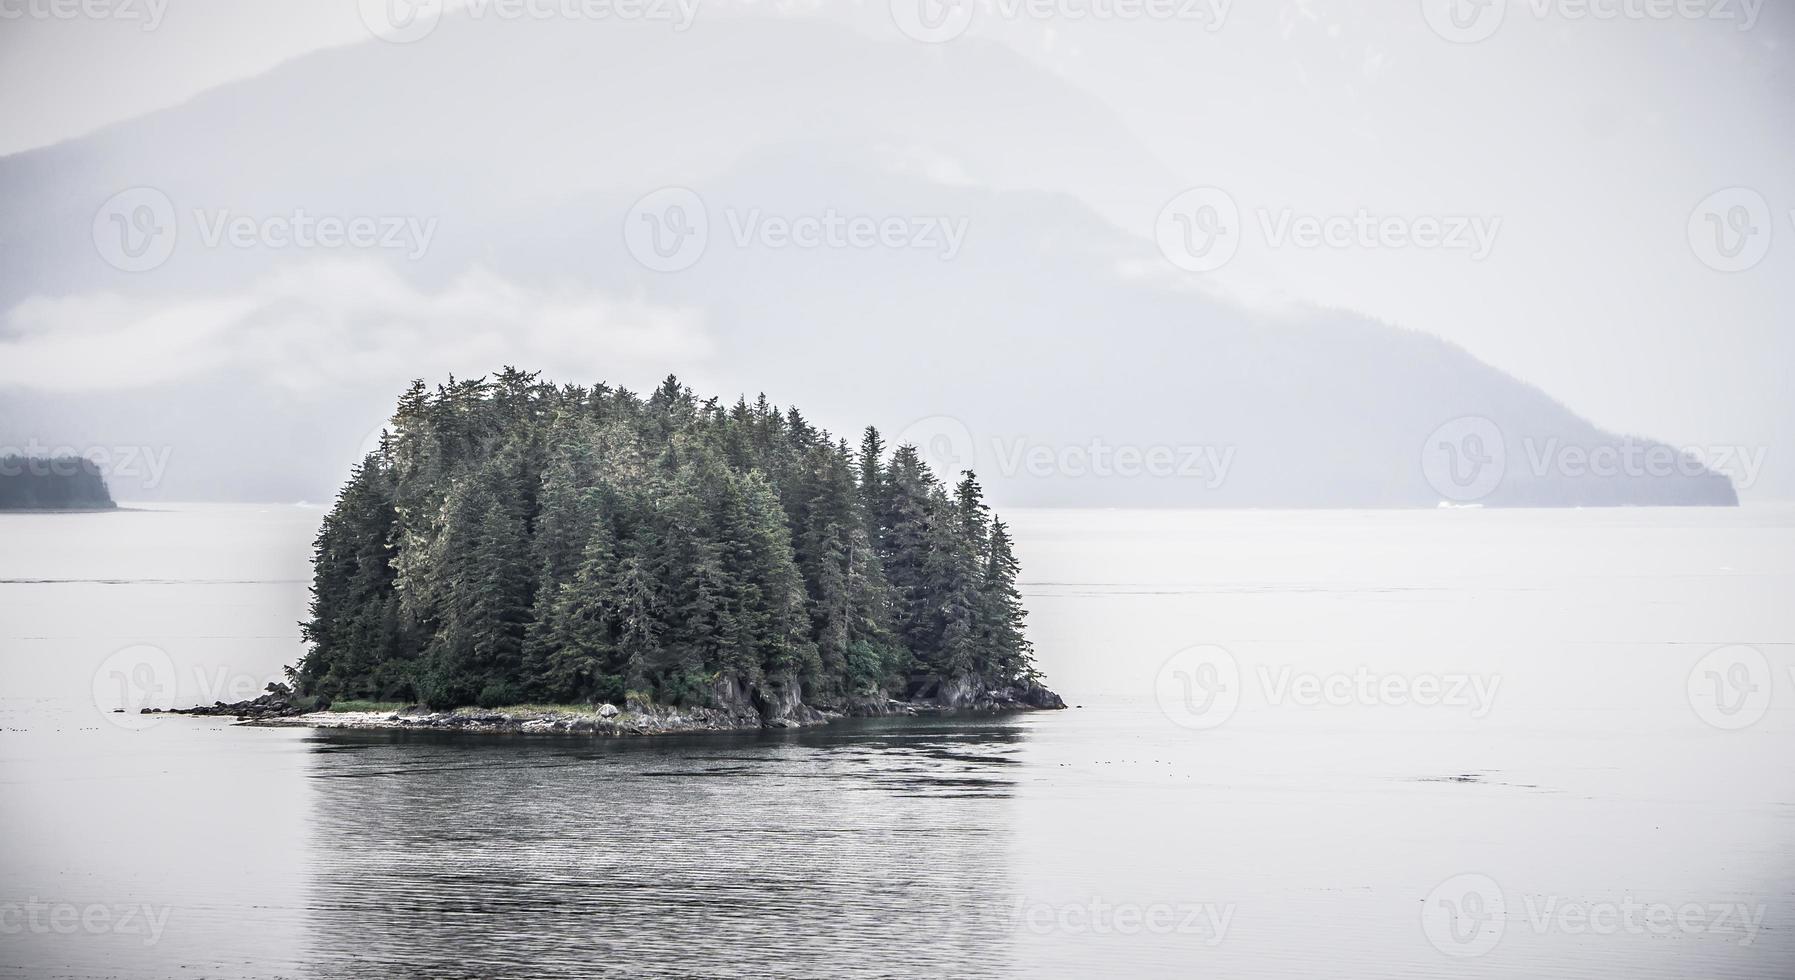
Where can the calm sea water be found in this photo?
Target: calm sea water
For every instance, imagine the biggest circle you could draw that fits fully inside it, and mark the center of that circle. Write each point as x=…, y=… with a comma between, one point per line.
x=1395, y=744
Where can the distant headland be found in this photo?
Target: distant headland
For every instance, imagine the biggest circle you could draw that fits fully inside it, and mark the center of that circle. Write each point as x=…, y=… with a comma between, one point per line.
x=52, y=483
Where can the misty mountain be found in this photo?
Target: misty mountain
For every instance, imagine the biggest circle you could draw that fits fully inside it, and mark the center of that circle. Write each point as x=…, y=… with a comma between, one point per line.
x=511, y=169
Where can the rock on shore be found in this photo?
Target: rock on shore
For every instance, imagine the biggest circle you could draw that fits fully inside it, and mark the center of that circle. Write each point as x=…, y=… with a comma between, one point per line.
x=277, y=703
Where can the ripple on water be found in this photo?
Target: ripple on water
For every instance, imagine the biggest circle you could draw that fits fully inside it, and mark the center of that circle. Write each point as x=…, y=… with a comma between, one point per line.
x=794, y=856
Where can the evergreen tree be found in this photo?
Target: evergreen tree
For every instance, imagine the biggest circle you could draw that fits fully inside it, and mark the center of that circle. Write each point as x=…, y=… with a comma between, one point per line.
x=358, y=649
x=872, y=484
x=1003, y=641
x=907, y=512
x=481, y=576
x=639, y=627
x=783, y=628
x=573, y=651
x=950, y=587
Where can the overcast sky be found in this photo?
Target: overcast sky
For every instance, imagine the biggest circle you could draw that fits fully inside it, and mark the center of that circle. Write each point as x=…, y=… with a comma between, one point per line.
x=1584, y=144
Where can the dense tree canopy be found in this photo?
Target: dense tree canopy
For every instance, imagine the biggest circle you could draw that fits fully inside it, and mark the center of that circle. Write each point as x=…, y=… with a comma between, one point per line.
x=512, y=540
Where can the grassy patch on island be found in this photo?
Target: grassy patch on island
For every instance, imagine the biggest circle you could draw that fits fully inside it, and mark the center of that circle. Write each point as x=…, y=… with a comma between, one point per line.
x=341, y=707
x=583, y=710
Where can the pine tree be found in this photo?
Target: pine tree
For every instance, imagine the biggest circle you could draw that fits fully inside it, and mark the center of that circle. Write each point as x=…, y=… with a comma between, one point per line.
x=480, y=576
x=639, y=627
x=783, y=634
x=1011, y=656
x=974, y=516
x=573, y=651
x=950, y=588
x=872, y=484
x=358, y=649
x=907, y=515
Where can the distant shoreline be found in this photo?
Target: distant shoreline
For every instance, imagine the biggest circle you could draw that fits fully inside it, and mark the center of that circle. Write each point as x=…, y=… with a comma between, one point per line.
x=624, y=724
x=64, y=510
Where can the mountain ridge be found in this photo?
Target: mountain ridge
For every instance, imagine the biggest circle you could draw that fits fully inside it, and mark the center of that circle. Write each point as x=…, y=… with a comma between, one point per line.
x=1318, y=408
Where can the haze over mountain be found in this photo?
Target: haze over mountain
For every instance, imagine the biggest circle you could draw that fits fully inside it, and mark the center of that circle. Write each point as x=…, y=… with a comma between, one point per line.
x=502, y=167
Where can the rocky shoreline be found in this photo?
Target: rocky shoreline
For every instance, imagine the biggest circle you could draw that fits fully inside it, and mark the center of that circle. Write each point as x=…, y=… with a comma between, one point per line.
x=736, y=711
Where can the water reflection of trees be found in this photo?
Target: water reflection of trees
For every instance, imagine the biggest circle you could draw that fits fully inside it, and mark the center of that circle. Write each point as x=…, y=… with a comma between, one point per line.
x=881, y=848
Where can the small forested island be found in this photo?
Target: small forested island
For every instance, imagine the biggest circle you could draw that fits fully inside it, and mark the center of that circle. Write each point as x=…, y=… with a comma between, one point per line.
x=523, y=555
x=52, y=483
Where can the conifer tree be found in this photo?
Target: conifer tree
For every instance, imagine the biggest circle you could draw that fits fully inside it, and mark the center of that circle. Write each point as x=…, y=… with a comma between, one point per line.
x=907, y=514
x=572, y=651
x=1003, y=640
x=358, y=649
x=872, y=484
